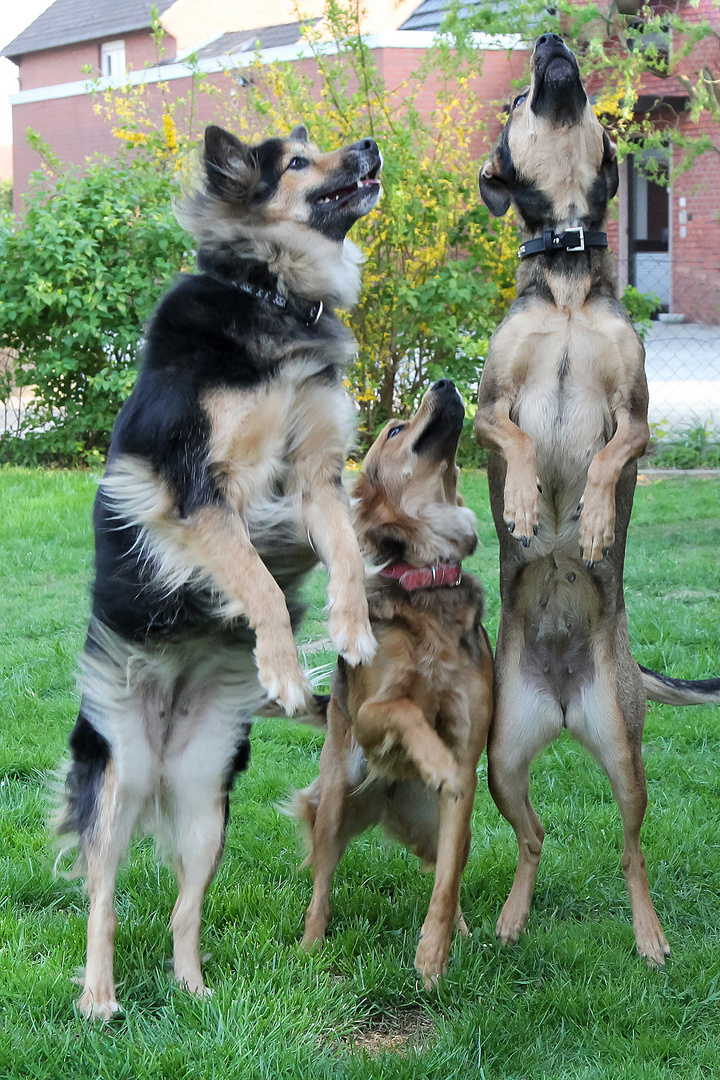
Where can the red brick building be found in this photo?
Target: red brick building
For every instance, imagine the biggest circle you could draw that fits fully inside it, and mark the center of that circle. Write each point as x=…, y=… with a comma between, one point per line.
x=668, y=242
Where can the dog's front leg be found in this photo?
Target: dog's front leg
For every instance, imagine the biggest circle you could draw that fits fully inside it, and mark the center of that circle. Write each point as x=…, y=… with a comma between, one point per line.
x=326, y=513
x=222, y=546
x=382, y=726
x=495, y=430
x=597, y=517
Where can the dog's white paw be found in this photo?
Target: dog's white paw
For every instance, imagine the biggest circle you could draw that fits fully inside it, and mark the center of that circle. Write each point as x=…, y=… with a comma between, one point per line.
x=292, y=691
x=351, y=632
x=98, y=1008
x=281, y=675
x=356, y=649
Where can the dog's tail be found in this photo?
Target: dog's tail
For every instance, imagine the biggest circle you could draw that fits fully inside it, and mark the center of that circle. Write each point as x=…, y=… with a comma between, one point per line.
x=303, y=806
x=679, y=691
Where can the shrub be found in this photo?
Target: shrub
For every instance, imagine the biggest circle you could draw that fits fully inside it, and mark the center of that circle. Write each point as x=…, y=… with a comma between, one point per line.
x=81, y=274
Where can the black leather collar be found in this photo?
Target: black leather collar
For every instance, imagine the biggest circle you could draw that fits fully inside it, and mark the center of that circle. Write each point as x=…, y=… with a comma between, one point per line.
x=575, y=239
x=307, y=313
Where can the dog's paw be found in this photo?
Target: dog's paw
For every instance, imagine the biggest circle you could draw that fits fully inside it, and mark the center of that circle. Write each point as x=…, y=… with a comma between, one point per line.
x=431, y=958
x=650, y=940
x=312, y=939
x=351, y=632
x=443, y=776
x=281, y=676
x=98, y=1006
x=522, y=505
x=511, y=922
x=597, y=525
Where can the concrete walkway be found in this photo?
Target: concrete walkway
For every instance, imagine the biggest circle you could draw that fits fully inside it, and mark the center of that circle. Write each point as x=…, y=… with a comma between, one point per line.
x=683, y=370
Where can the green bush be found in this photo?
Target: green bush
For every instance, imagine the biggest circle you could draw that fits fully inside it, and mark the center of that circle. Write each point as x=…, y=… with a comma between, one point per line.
x=81, y=274
x=693, y=447
x=640, y=307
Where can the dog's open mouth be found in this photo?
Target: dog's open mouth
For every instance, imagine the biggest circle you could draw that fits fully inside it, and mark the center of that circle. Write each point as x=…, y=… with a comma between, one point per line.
x=366, y=185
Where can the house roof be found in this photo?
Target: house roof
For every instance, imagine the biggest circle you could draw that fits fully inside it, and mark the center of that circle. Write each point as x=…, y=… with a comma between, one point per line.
x=67, y=22
x=264, y=37
x=430, y=14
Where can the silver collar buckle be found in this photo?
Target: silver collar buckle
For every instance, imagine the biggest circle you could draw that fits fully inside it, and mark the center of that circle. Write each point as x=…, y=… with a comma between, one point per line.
x=581, y=238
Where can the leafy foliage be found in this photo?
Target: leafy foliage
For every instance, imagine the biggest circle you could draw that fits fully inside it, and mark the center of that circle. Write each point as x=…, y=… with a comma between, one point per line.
x=82, y=273
x=95, y=249
x=695, y=446
x=640, y=307
x=6, y=196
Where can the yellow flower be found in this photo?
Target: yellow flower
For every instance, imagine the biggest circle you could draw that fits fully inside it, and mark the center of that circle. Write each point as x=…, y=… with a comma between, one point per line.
x=134, y=137
x=170, y=132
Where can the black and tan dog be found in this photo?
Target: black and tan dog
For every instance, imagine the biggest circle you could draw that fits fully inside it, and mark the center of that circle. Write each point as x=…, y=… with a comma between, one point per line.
x=405, y=732
x=223, y=487
x=563, y=409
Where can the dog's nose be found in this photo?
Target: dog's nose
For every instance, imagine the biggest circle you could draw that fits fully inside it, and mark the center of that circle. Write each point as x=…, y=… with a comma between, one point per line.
x=443, y=384
x=547, y=39
x=365, y=145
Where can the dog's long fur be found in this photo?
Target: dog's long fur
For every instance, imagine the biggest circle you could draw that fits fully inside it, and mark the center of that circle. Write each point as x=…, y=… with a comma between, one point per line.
x=223, y=487
x=405, y=733
x=563, y=410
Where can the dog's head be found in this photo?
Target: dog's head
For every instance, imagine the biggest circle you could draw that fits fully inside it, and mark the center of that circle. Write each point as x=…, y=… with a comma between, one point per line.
x=406, y=500
x=286, y=202
x=290, y=180
x=554, y=162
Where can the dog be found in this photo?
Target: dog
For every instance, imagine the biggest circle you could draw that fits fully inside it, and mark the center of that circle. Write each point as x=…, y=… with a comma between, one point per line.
x=223, y=487
x=562, y=409
x=406, y=731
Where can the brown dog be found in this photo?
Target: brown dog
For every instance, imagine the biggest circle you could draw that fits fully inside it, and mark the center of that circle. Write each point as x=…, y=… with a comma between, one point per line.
x=563, y=410
x=405, y=732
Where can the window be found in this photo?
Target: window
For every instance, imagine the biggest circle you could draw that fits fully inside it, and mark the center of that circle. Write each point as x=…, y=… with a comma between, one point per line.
x=112, y=59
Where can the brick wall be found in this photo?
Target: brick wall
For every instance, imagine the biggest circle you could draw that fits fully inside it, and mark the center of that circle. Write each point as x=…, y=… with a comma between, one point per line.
x=65, y=64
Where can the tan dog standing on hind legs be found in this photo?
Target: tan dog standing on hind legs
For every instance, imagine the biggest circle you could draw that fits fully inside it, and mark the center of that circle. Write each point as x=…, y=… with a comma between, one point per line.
x=563, y=409
x=405, y=731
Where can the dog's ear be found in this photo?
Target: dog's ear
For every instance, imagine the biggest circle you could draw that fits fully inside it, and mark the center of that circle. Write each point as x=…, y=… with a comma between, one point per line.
x=610, y=165
x=382, y=529
x=300, y=133
x=494, y=189
x=229, y=164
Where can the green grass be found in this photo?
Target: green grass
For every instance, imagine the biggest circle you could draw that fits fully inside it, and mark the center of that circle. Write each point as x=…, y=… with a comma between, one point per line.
x=571, y=1000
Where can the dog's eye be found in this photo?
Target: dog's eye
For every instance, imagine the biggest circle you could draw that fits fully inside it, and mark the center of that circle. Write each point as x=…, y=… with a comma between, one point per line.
x=393, y=431
x=519, y=100
x=298, y=163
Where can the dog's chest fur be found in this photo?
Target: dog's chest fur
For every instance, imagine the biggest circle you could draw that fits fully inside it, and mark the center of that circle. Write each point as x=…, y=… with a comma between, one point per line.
x=566, y=367
x=230, y=398
x=428, y=638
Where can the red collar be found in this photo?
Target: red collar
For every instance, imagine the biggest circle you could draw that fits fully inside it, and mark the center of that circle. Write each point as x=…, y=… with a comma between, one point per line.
x=423, y=577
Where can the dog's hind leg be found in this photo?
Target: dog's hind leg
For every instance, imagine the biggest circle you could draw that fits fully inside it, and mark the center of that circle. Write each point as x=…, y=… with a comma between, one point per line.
x=120, y=801
x=613, y=734
x=431, y=957
x=339, y=814
x=198, y=766
x=200, y=840
x=525, y=721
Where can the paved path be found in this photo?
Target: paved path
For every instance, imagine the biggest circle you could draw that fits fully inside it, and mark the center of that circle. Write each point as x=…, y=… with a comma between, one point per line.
x=683, y=370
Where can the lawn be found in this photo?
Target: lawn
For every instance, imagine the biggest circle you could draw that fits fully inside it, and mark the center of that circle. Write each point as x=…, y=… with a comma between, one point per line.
x=571, y=1000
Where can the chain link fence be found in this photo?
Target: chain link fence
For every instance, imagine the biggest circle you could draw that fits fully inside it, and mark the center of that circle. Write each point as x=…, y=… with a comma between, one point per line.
x=682, y=363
